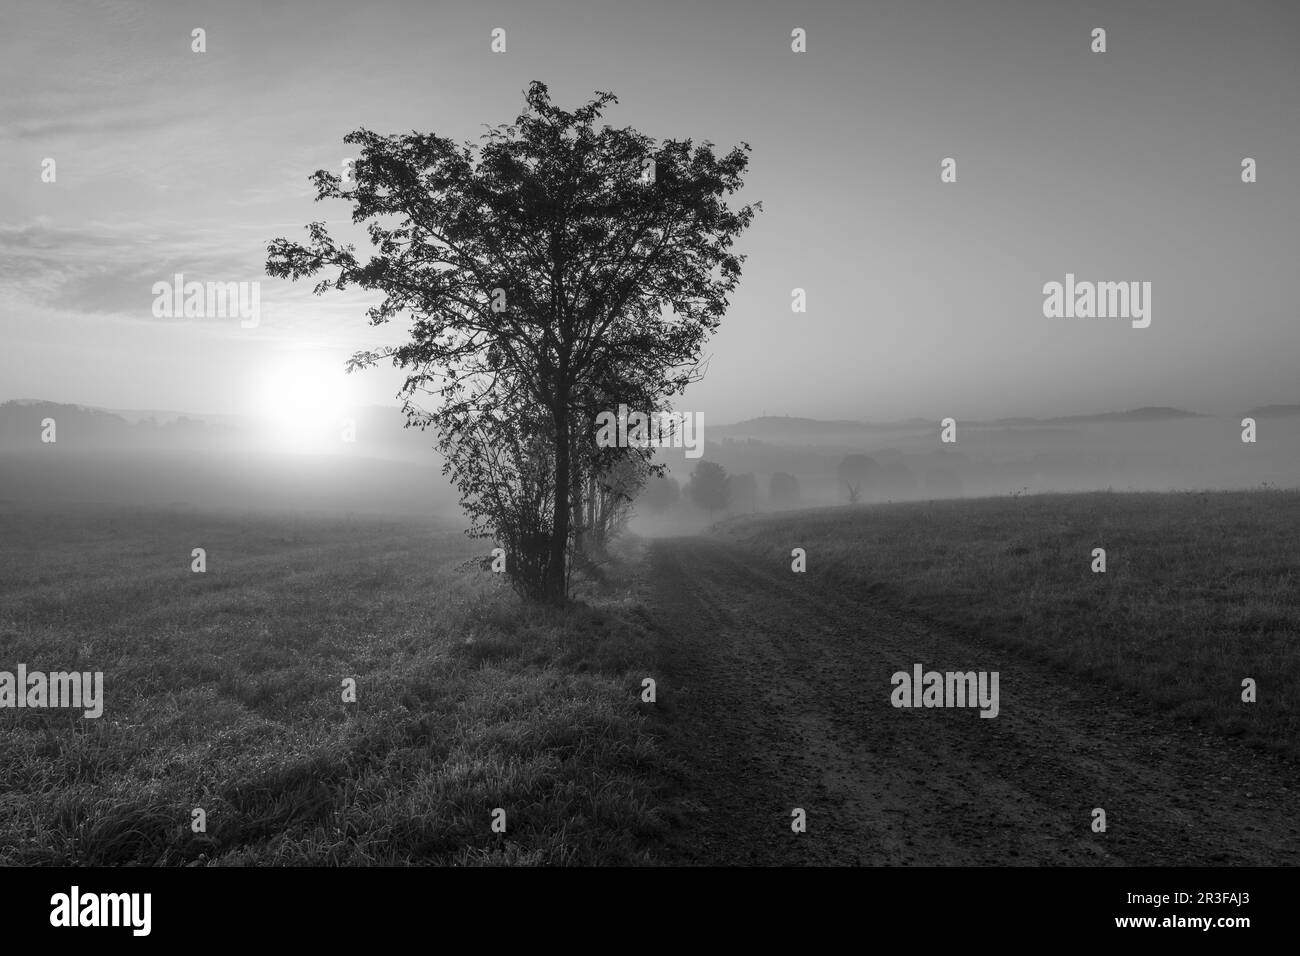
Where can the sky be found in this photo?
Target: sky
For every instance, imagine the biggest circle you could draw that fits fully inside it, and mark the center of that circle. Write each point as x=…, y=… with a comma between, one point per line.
x=924, y=298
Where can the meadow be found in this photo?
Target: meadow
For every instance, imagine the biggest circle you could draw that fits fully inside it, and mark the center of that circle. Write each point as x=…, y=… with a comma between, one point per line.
x=224, y=692
x=1201, y=589
x=224, y=689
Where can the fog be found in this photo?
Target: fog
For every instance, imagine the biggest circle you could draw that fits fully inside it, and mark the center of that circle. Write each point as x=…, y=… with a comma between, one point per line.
x=187, y=462
x=172, y=460
x=1143, y=450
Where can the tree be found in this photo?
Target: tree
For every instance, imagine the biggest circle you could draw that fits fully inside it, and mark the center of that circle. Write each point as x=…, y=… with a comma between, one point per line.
x=855, y=473
x=708, y=487
x=783, y=489
x=609, y=500
x=545, y=277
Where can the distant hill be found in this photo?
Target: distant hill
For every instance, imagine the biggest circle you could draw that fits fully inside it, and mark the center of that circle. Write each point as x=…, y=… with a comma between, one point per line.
x=379, y=430
x=1150, y=413
x=777, y=427
x=1274, y=411
x=20, y=425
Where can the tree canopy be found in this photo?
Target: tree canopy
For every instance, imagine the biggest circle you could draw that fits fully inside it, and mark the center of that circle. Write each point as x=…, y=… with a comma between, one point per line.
x=549, y=271
x=709, y=486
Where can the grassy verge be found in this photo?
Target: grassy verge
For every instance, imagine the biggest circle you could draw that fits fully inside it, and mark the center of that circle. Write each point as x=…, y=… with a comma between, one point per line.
x=223, y=691
x=1201, y=590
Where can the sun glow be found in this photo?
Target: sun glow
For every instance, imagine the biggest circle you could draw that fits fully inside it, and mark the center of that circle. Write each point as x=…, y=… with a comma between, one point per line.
x=303, y=404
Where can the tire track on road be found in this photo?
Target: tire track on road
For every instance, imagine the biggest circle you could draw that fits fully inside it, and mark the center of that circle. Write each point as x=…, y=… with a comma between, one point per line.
x=778, y=686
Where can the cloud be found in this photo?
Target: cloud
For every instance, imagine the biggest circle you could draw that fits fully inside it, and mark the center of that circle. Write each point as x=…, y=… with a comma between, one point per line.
x=110, y=269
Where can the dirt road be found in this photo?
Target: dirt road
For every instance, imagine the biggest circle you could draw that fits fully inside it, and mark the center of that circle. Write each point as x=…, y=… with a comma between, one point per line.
x=774, y=690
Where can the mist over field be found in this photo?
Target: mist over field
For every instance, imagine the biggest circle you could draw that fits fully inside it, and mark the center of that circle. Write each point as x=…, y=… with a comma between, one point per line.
x=196, y=461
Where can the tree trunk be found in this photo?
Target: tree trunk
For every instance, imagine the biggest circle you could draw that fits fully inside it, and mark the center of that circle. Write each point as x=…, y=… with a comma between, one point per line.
x=577, y=511
x=556, y=578
x=595, y=532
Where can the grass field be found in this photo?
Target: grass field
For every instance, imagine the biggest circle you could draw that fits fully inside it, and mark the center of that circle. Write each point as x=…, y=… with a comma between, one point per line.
x=224, y=692
x=1201, y=590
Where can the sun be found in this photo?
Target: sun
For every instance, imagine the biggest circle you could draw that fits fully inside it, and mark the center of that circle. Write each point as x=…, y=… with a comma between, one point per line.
x=303, y=402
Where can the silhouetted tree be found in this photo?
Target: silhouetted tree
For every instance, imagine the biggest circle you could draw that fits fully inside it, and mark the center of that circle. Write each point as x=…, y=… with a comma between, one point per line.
x=609, y=498
x=855, y=472
x=708, y=486
x=544, y=275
